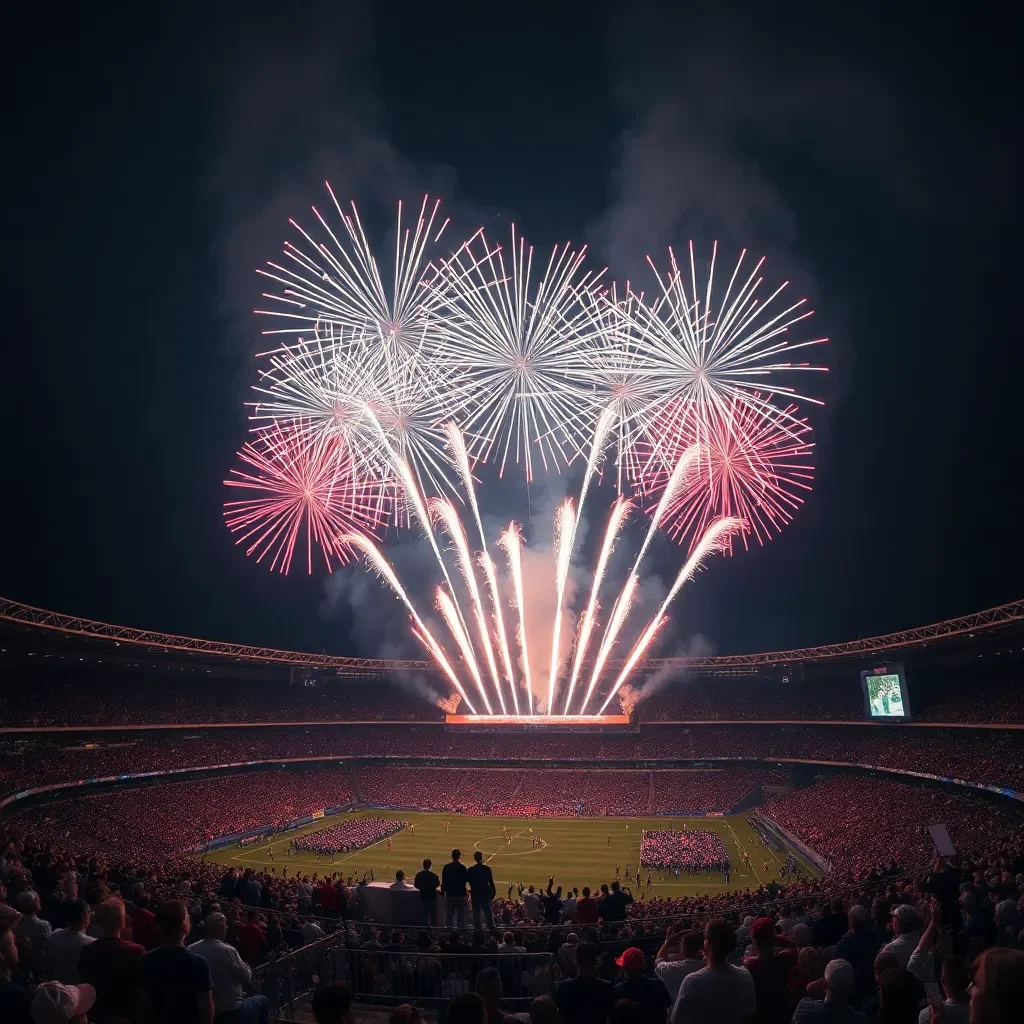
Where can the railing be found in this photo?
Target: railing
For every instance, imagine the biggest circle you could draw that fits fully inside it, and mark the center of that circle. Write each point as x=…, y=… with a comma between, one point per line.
x=427, y=979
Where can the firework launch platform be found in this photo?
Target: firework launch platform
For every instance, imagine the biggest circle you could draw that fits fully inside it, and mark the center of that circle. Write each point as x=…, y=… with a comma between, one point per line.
x=532, y=721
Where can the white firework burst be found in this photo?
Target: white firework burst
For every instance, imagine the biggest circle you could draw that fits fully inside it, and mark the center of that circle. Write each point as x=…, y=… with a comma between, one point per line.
x=520, y=337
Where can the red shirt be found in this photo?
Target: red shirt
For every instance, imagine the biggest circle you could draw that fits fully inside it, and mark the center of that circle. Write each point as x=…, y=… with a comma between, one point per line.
x=328, y=897
x=144, y=929
x=586, y=910
x=113, y=968
x=250, y=942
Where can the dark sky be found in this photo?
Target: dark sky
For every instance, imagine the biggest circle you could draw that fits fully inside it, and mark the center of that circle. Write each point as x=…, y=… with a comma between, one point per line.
x=155, y=154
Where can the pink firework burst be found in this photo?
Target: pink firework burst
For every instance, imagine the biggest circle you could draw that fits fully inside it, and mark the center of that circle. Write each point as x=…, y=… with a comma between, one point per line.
x=754, y=462
x=306, y=491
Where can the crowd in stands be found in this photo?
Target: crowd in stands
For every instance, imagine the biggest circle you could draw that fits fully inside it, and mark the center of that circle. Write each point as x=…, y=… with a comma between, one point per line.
x=354, y=834
x=688, y=850
x=114, y=700
x=870, y=936
x=856, y=822
x=990, y=756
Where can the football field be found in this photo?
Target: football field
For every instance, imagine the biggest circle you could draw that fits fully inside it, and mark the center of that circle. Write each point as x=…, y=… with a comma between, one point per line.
x=577, y=851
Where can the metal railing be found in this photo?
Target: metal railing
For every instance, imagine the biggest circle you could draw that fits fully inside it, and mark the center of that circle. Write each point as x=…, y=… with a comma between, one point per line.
x=428, y=979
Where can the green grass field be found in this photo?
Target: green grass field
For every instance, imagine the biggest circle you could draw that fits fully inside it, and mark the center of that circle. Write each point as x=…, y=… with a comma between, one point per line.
x=575, y=850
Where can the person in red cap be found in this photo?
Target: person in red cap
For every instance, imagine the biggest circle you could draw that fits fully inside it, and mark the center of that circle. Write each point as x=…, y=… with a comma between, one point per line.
x=649, y=993
x=770, y=966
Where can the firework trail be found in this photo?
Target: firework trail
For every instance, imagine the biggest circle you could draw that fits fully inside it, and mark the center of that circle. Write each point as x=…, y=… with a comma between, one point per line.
x=565, y=529
x=457, y=448
x=384, y=570
x=620, y=510
x=511, y=541
x=620, y=611
x=715, y=538
x=450, y=612
x=444, y=512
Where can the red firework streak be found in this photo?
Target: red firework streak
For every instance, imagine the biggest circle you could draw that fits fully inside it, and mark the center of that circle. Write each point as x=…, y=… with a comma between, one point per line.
x=304, y=486
x=755, y=462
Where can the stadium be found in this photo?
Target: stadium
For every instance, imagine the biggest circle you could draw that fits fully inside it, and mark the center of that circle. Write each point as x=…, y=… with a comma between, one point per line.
x=170, y=764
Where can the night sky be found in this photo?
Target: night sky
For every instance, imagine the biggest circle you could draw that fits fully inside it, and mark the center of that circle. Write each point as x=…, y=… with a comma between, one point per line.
x=155, y=155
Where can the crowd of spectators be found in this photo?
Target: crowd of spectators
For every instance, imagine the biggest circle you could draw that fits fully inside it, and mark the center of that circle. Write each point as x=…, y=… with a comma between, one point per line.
x=55, y=699
x=354, y=834
x=858, y=821
x=687, y=850
x=989, y=756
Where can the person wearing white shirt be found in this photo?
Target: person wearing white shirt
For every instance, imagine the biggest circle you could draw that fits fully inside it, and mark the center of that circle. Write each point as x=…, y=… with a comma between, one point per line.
x=34, y=928
x=678, y=958
x=229, y=973
x=400, y=883
x=719, y=993
x=311, y=931
x=65, y=945
x=906, y=926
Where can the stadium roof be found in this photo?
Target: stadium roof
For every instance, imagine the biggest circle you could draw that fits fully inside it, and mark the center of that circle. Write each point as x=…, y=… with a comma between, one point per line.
x=966, y=630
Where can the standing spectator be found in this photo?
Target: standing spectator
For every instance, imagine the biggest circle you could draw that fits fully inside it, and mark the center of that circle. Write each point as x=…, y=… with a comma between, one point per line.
x=177, y=981
x=585, y=999
x=771, y=965
x=66, y=944
x=997, y=995
x=112, y=966
x=956, y=1008
x=15, y=1001
x=678, y=957
x=586, y=908
x=718, y=993
x=33, y=928
x=839, y=982
x=481, y=888
x=649, y=993
x=427, y=883
x=613, y=907
x=899, y=996
x=488, y=984
x=454, y=879
x=251, y=941
x=859, y=946
x=906, y=927
x=531, y=905
x=144, y=929
x=229, y=973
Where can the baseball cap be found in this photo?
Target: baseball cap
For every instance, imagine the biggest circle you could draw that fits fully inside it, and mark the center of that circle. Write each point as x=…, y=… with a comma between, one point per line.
x=632, y=959
x=55, y=1003
x=906, y=914
x=839, y=975
x=763, y=930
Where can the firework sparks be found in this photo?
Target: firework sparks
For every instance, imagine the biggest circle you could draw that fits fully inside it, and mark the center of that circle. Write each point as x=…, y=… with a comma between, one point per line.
x=511, y=541
x=520, y=338
x=754, y=462
x=300, y=489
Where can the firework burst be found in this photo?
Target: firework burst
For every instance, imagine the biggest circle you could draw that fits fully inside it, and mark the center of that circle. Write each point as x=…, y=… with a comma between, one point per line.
x=304, y=495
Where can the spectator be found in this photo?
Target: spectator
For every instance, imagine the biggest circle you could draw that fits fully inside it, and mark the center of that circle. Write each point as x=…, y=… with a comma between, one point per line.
x=54, y=1003
x=859, y=947
x=508, y=944
x=32, y=928
x=956, y=1008
x=467, y=1008
x=899, y=996
x=15, y=1000
x=144, y=929
x=488, y=984
x=719, y=993
x=809, y=969
x=400, y=884
x=112, y=966
x=839, y=983
x=454, y=879
x=427, y=883
x=66, y=944
x=331, y=1004
x=770, y=966
x=997, y=995
x=177, y=982
x=906, y=927
x=543, y=1011
x=311, y=932
x=229, y=974
x=678, y=957
x=648, y=993
x=586, y=908
x=585, y=999
x=405, y=1014
x=481, y=888
x=251, y=941
x=613, y=907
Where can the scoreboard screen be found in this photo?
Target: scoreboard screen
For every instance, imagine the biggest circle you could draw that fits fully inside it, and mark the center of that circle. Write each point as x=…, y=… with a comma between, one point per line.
x=885, y=692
